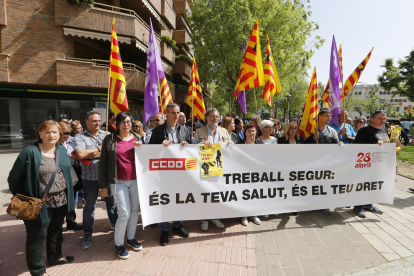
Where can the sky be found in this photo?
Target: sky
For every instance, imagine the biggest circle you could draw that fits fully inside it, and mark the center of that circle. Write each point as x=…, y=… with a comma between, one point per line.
x=360, y=25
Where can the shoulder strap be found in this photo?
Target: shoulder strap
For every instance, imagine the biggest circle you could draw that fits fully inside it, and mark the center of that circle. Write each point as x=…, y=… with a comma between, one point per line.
x=52, y=179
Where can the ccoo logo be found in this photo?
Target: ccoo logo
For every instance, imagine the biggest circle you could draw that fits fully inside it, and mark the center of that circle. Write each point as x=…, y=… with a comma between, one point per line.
x=172, y=164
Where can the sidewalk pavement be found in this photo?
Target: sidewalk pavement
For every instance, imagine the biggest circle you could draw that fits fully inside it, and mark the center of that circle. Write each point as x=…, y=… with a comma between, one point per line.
x=310, y=243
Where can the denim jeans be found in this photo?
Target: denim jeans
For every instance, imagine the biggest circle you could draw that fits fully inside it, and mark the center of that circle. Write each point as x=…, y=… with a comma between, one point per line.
x=164, y=225
x=127, y=202
x=91, y=191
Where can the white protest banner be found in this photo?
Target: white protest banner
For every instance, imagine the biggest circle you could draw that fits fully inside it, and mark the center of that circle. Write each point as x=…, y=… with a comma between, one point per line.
x=261, y=179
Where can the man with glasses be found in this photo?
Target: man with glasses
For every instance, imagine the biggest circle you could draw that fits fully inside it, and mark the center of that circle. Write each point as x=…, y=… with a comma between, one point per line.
x=209, y=135
x=375, y=133
x=156, y=121
x=346, y=133
x=88, y=146
x=169, y=133
x=324, y=135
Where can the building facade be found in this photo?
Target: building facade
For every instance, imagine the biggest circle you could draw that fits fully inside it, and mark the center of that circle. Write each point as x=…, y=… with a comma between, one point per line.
x=398, y=103
x=54, y=58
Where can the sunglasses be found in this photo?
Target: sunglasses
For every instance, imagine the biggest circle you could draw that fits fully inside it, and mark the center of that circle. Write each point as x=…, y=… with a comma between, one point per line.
x=66, y=133
x=135, y=126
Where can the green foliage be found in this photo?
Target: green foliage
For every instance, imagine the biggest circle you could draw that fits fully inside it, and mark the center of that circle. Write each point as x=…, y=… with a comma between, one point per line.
x=170, y=42
x=184, y=58
x=79, y=2
x=400, y=78
x=218, y=101
x=407, y=154
x=221, y=27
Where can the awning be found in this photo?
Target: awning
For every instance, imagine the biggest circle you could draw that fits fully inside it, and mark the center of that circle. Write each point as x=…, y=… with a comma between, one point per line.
x=94, y=35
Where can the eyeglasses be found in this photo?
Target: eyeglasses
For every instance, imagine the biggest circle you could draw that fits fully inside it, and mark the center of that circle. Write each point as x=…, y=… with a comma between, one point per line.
x=157, y=120
x=294, y=128
x=214, y=116
x=66, y=133
x=126, y=123
x=327, y=116
x=268, y=127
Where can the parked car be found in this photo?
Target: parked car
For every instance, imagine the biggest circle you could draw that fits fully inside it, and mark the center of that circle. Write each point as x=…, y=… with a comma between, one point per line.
x=10, y=133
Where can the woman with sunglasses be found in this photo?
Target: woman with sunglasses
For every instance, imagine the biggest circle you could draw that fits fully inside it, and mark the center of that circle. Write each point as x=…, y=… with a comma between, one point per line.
x=117, y=167
x=291, y=135
x=69, y=145
x=137, y=127
x=358, y=124
x=278, y=130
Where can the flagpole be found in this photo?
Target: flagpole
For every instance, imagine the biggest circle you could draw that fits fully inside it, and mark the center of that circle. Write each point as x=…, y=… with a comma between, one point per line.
x=231, y=107
x=255, y=99
x=349, y=98
x=107, y=101
x=192, y=116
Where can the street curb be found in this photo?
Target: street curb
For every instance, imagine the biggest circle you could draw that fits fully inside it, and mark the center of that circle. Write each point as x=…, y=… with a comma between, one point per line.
x=405, y=176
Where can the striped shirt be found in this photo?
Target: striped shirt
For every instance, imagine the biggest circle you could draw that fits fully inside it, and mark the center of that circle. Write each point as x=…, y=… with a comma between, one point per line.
x=85, y=140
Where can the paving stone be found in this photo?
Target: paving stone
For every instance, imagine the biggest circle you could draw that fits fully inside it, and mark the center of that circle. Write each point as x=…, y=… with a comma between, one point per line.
x=287, y=255
x=377, y=243
x=328, y=266
x=391, y=256
x=292, y=271
x=401, y=250
x=346, y=266
x=309, y=265
x=274, y=265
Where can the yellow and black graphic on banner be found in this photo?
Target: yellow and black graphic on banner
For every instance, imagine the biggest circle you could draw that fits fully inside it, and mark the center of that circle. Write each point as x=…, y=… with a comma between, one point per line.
x=210, y=160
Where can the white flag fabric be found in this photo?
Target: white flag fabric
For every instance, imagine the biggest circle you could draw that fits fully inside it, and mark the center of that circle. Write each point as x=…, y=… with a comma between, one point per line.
x=261, y=180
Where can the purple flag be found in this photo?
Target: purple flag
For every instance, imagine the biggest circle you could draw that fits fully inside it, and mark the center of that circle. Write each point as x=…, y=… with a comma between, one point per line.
x=241, y=97
x=335, y=79
x=151, y=77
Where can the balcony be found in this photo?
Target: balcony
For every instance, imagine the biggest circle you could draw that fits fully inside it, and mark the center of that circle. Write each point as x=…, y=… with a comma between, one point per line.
x=155, y=3
x=181, y=67
x=167, y=52
x=168, y=14
x=182, y=37
x=182, y=7
x=4, y=67
x=99, y=19
x=94, y=73
x=3, y=17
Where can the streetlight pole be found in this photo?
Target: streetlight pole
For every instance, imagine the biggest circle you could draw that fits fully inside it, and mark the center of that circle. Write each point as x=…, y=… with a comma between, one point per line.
x=288, y=96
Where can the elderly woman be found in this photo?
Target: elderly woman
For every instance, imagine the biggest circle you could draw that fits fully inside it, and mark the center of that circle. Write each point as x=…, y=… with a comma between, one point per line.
x=117, y=167
x=251, y=138
x=266, y=127
x=138, y=128
x=69, y=146
x=291, y=135
x=228, y=124
x=34, y=169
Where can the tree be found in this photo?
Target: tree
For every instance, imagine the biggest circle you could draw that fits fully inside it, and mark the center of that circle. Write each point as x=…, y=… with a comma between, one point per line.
x=400, y=78
x=220, y=28
x=372, y=102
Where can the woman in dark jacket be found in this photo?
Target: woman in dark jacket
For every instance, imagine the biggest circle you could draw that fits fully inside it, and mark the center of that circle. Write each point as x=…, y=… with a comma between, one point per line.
x=290, y=135
x=29, y=176
x=250, y=133
x=117, y=167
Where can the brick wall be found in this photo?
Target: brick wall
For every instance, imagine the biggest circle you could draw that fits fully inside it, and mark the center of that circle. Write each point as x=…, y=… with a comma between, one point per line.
x=3, y=15
x=4, y=68
x=168, y=14
x=34, y=41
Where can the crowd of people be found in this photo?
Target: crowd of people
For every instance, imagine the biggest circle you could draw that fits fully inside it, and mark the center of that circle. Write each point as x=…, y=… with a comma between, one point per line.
x=88, y=163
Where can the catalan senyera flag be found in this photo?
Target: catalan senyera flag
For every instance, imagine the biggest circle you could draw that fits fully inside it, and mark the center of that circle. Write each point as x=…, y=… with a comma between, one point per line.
x=194, y=99
x=271, y=78
x=166, y=97
x=325, y=96
x=354, y=77
x=251, y=71
x=117, y=84
x=308, y=125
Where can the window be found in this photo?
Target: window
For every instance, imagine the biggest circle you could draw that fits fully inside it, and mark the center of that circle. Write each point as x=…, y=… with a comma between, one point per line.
x=405, y=100
x=397, y=109
x=405, y=108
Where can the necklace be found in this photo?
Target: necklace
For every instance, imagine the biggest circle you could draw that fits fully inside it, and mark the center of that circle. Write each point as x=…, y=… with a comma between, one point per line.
x=125, y=138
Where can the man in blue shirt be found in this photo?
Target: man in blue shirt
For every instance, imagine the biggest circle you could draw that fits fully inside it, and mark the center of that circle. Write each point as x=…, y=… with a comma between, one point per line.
x=346, y=133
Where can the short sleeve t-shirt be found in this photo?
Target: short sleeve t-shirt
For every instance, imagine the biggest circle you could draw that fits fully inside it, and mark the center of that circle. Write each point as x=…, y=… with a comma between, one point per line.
x=371, y=135
x=126, y=159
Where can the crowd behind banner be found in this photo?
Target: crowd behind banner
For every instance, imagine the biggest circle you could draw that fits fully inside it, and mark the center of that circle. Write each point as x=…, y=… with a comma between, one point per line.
x=96, y=163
